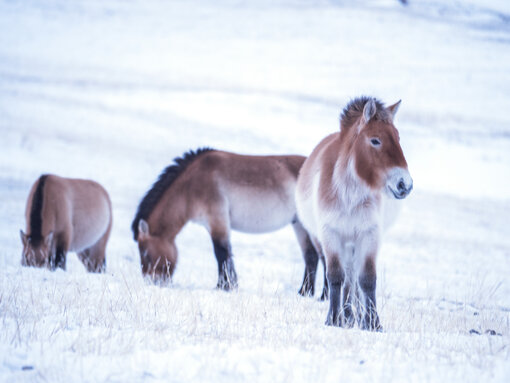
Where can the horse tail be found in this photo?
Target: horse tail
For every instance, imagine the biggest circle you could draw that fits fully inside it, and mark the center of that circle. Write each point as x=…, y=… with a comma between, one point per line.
x=36, y=211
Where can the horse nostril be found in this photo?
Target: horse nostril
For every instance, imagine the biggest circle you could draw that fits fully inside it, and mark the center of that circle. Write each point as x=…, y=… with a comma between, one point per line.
x=401, y=187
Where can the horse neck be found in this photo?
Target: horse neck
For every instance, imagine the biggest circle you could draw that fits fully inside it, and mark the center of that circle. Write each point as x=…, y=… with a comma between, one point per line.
x=169, y=216
x=351, y=190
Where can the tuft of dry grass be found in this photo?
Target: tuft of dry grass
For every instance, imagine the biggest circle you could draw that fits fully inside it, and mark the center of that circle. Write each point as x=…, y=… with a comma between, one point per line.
x=58, y=320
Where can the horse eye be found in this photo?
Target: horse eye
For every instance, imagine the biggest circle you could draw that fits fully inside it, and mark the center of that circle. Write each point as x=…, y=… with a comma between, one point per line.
x=375, y=142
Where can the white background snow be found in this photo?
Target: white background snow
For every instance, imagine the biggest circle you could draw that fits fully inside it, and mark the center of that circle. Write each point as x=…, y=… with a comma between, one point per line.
x=114, y=90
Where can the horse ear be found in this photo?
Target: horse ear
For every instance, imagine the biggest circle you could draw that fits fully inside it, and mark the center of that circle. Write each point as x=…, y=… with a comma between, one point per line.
x=24, y=238
x=143, y=228
x=394, y=108
x=369, y=110
x=49, y=239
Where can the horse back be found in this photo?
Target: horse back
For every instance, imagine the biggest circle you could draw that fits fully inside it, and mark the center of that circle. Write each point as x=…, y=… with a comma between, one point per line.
x=316, y=180
x=320, y=163
x=77, y=211
x=256, y=191
x=224, y=170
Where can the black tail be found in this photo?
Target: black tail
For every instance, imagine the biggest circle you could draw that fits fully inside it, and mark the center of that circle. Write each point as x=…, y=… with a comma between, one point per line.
x=36, y=212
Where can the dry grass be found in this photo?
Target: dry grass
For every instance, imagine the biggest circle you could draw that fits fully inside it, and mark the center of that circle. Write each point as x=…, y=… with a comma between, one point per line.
x=57, y=319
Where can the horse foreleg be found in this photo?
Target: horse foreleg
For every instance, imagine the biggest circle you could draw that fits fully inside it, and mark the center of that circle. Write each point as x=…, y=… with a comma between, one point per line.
x=347, y=303
x=84, y=256
x=336, y=278
x=367, y=282
x=227, y=276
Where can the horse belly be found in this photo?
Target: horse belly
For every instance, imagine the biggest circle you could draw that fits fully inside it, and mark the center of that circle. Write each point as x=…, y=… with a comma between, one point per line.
x=89, y=225
x=261, y=212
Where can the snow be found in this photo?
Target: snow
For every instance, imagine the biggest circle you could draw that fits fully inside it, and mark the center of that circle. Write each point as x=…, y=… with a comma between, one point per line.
x=115, y=90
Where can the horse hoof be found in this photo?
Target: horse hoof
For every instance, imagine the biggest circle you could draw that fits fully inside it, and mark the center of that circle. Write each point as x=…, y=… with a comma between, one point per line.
x=374, y=328
x=324, y=296
x=226, y=287
x=306, y=292
x=331, y=322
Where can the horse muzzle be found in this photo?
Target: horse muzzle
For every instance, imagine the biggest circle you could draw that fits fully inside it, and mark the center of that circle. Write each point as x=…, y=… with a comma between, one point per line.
x=399, y=183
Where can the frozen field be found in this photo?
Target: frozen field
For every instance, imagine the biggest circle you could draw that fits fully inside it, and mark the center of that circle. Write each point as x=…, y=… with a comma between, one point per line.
x=115, y=90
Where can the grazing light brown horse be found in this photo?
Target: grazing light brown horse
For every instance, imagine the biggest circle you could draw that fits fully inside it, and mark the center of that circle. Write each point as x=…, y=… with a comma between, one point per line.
x=65, y=214
x=221, y=191
x=340, y=197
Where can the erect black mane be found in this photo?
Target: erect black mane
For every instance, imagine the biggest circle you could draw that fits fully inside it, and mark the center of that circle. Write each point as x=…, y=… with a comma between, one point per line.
x=36, y=212
x=166, y=178
x=354, y=109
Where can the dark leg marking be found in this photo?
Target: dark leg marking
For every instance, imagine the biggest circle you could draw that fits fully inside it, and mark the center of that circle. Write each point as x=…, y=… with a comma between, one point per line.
x=102, y=266
x=311, y=261
x=60, y=258
x=325, y=289
x=334, y=315
x=347, y=302
x=57, y=258
x=227, y=276
x=91, y=262
x=336, y=280
x=367, y=282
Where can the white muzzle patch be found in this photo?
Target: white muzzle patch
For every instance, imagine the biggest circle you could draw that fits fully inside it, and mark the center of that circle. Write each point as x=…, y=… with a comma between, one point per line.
x=399, y=183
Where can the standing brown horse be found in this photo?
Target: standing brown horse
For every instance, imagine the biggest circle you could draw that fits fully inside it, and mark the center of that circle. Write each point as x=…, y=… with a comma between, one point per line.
x=221, y=191
x=340, y=197
x=65, y=214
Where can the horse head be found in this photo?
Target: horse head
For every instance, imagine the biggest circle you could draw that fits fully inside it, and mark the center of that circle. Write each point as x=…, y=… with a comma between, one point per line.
x=378, y=156
x=158, y=255
x=36, y=251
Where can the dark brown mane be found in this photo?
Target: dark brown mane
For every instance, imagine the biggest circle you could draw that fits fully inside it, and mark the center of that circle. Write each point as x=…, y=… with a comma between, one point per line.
x=354, y=109
x=166, y=178
x=36, y=212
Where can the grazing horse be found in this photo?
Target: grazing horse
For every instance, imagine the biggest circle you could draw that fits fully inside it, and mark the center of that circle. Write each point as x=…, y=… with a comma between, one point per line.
x=65, y=214
x=340, y=202
x=221, y=191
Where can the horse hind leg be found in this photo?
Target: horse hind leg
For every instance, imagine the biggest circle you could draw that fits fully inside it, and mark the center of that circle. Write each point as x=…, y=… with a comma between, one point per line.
x=311, y=259
x=94, y=258
x=325, y=290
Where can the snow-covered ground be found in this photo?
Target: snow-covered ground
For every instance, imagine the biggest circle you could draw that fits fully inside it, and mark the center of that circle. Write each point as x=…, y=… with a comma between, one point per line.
x=115, y=90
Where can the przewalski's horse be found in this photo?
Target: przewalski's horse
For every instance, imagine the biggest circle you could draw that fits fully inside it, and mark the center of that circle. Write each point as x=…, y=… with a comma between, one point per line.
x=339, y=199
x=221, y=191
x=65, y=214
